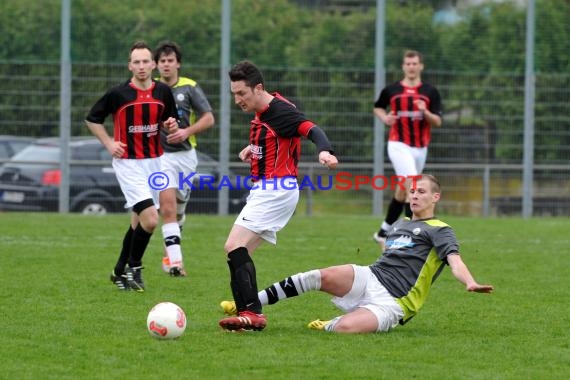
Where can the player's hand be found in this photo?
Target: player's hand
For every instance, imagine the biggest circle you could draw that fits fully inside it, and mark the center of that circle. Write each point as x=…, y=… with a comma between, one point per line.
x=328, y=160
x=116, y=148
x=390, y=118
x=179, y=136
x=421, y=105
x=480, y=288
x=171, y=125
x=245, y=154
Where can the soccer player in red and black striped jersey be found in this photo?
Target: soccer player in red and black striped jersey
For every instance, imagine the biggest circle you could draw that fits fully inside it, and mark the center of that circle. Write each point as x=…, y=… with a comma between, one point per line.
x=140, y=108
x=273, y=153
x=410, y=108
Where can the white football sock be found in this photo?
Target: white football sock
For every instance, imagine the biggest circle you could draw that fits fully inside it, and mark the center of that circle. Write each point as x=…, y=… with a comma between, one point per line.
x=171, y=235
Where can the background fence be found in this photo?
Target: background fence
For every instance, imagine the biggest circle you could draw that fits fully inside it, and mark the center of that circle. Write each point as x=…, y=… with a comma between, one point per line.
x=477, y=153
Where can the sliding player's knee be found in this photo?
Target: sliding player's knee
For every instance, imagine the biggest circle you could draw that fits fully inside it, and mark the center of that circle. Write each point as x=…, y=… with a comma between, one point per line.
x=311, y=280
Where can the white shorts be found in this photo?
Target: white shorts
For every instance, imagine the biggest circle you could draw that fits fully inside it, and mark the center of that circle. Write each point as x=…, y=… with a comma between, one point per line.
x=269, y=207
x=133, y=176
x=405, y=159
x=369, y=293
x=172, y=163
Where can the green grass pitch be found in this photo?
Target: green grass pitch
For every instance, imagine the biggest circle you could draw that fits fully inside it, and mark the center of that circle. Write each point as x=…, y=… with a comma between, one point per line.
x=63, y=319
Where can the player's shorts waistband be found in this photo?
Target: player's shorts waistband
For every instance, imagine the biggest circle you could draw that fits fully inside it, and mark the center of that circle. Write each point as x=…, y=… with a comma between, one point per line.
x=182, y=148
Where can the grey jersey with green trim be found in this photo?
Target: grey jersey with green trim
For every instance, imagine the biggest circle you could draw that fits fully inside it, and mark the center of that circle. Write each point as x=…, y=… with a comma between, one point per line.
x=415, y=254
x=191, y=102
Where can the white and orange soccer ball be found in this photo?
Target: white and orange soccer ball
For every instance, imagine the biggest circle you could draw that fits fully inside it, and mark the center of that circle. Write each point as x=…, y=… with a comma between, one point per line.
x=166, y=320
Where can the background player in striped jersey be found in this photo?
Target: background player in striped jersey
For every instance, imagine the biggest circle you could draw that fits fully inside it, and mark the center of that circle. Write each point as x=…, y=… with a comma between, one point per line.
x=392, y=290
x=273, y=153
x=140, y=108
x=410, y=108
x=195, y=116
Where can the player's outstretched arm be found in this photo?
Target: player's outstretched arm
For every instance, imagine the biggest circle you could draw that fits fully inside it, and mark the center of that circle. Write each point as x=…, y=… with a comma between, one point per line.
x=320, y=139
x=461, y=273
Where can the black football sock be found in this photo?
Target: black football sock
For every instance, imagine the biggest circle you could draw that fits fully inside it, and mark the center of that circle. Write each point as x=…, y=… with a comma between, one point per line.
x=245, y=278
x=125, y=251
x=394, y=210
x=407, y=210
x=240, y=304
x=138, y=246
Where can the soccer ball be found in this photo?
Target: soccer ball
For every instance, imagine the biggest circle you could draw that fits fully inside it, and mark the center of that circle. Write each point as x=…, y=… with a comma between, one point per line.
x=166, y=320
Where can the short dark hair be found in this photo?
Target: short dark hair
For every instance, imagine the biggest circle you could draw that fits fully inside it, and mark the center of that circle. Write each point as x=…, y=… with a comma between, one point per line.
x=167, y=48
x=414, y=53
x=435, y=185
x=139, y=45
x=247, y=72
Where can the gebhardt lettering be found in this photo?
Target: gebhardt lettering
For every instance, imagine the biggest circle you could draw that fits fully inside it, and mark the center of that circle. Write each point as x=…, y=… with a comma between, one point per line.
x=145, y=128
x=412, y=114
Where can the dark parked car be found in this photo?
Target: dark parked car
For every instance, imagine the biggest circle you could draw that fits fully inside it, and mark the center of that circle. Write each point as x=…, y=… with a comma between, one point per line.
x=30, y=181
x=10, y=145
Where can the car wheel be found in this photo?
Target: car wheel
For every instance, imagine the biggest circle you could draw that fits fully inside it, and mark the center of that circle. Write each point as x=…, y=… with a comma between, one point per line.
x=93, y=208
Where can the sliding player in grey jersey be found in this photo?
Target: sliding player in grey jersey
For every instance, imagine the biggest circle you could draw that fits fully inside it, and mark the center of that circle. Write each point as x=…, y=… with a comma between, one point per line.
x=393, y=289
x=195, y=116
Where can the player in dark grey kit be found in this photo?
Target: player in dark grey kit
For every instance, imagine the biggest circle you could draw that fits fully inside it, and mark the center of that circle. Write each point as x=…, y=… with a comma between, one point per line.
x=393, y=289
x=195, y=116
